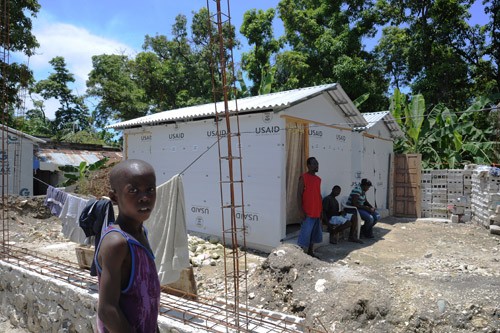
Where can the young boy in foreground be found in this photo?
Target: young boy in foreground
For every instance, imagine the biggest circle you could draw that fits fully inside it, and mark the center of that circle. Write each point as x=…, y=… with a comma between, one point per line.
x=129, y=289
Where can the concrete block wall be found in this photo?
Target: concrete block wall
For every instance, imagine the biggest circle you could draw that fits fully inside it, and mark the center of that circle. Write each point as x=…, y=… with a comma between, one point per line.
x=42, y=304
x=474, y=185
x=442, y=188
x=485, y=195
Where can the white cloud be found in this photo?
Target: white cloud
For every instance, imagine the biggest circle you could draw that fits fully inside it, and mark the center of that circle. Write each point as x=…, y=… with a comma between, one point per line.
x=77, y=46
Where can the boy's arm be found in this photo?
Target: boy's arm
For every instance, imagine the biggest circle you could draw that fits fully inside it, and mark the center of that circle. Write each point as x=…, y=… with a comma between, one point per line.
x=355, y=203
x=370, y=207
x=327, y=209
x=112, y=254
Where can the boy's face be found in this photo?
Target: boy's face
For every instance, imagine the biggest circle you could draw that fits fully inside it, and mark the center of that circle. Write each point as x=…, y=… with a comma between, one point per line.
x=135, y=196
x=336, y=191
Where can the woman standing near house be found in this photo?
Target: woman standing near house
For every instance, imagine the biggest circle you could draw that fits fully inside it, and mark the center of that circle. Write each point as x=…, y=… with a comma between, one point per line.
x=368, y=213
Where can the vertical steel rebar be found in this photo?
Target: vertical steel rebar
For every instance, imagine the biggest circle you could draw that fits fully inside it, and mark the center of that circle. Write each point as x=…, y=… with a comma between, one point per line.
x=230, y=173
x=4, y=44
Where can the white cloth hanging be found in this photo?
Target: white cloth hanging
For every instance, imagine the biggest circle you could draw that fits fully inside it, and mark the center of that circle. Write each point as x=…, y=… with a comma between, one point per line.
x=167, y=231
x=70, y=213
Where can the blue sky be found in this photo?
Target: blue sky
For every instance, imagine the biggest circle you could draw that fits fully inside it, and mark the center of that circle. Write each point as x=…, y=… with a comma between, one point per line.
x=77, y=30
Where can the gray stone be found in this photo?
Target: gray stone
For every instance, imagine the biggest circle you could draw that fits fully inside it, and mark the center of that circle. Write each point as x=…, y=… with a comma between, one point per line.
x=442, y=305
x=494, y=229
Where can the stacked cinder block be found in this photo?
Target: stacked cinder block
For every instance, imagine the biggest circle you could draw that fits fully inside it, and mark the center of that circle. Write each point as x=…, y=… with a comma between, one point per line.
x=454, y=185
x=439, y=193
x=426, y=190
x=441, y=189
x=467, y=173
x=471, y=194
x=434, y=193
x=485, y=195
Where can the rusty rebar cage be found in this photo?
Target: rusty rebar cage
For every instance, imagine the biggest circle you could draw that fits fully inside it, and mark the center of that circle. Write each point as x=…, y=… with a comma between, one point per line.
x=230, y=159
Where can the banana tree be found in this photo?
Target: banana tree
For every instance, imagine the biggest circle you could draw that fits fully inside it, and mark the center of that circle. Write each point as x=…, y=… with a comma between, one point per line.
x=75, y=174
x=410, y=117
x=445, y=139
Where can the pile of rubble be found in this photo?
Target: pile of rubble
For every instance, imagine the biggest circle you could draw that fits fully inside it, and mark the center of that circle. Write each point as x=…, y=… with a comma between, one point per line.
x=207, y=258
x=205, y=252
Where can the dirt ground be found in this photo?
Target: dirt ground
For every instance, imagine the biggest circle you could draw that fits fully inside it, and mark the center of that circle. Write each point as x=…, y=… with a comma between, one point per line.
x=415, y=276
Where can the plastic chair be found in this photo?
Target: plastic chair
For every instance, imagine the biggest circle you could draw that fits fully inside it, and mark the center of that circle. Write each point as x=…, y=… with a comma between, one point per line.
x=343, y=205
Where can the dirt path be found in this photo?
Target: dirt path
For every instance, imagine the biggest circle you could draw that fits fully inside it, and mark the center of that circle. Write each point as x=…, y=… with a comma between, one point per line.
x=418, y=276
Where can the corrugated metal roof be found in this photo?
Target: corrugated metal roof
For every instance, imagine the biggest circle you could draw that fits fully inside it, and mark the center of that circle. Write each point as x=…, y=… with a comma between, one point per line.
x=51, y=159
x=275, y=101
x=372, y=118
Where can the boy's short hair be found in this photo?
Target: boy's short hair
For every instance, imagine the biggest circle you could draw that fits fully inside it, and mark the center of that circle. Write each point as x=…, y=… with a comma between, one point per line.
x=118, y=172
x=365, y=182
x=309, y=160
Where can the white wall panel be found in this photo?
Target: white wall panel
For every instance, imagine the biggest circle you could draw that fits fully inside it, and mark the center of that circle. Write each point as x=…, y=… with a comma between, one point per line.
x=137, y=144
x=174, y=147
x=320, y=109
x=376, y=168
x=17, y=165
x=332, y=149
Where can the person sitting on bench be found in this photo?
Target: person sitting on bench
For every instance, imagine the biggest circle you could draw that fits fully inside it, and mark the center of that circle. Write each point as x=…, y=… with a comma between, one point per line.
x=368, y=213
x=337, y=220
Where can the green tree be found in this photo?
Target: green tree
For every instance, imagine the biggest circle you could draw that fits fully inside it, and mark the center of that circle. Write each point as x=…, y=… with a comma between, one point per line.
x=36, y=123
x=429, y=46
x=169, y=73
x=324, y=42
x=77, y=175
x=72, y=113
x=393, y=50
x=113, y=83
x=257, y=28
x=491, y=59
x=15, y=28
x=409, y=114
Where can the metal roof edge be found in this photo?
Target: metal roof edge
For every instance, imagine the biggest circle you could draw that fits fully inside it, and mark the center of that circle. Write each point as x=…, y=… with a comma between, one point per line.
x=151, y=120
x=27, y=136
x=389, y=121
x=346, y=105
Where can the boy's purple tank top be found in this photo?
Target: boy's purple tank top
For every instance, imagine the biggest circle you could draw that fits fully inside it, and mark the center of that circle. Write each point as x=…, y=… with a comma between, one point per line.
x=140, y=300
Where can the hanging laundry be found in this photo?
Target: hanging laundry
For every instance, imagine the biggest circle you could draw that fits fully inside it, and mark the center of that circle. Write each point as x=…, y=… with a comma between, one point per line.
x=55, y=199
x=95, y=217
x=70, y=214
x=167, y=230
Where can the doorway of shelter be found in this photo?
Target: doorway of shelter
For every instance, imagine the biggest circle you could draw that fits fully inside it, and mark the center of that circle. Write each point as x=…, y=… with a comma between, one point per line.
x=296, y=154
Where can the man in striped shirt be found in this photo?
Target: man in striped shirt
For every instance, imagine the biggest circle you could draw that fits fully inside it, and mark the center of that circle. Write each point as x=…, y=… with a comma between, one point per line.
x=368, y=213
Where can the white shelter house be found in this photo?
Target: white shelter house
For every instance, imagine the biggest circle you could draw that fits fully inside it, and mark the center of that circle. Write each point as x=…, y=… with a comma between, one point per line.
x=17, y=162
x=279, y=131
x=372, y=156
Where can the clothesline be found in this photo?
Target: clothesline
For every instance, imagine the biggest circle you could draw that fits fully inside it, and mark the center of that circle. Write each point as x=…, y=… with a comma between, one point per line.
x=166, y=225
x=41, y=181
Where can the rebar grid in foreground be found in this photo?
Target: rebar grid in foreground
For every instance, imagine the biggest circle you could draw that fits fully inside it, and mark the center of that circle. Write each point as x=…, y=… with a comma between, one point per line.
x=213, y=315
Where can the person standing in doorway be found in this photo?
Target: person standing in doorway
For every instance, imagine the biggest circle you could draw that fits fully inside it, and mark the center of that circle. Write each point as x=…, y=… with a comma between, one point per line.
x=309, y=201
